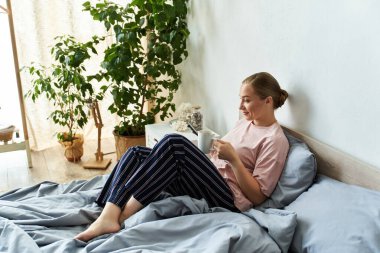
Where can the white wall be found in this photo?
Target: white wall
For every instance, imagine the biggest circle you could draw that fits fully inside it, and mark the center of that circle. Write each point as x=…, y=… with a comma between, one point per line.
x=326, y=54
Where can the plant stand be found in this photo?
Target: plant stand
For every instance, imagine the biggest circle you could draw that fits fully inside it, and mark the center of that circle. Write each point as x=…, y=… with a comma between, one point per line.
x=99, y=162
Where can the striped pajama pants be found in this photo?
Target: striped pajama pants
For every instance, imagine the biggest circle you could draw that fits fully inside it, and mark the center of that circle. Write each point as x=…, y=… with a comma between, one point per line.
x=174, y=165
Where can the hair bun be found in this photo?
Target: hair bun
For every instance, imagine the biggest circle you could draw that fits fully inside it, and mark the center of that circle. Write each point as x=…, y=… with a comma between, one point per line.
x=283, y=96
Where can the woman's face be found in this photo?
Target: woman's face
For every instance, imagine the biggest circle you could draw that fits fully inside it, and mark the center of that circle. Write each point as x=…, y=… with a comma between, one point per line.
x=251, y=105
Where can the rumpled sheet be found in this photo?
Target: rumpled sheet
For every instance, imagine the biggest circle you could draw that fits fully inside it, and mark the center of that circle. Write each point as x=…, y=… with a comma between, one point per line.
x=46, y=217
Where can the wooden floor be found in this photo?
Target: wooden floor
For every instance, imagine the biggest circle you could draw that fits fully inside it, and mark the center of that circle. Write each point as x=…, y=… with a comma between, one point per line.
x=50, y=165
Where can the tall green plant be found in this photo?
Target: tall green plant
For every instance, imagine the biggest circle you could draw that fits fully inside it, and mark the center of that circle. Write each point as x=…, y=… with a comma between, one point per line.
x=149, y=43
x=64, y=83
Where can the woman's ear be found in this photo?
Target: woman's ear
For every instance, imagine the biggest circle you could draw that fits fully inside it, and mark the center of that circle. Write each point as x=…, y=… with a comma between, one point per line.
x=269, y=100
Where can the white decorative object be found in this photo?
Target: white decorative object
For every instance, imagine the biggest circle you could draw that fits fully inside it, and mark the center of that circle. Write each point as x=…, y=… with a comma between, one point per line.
x=188, y=114
x=184, y=112
x=179, y=125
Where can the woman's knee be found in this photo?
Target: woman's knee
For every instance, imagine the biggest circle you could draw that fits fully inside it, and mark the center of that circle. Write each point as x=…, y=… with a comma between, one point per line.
x=174, y=142
x=132, y=151
x=174, y=137
x=137, y=148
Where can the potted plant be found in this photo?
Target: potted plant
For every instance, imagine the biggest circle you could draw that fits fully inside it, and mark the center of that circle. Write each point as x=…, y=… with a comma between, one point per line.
x=149, y=43
x=65, y=86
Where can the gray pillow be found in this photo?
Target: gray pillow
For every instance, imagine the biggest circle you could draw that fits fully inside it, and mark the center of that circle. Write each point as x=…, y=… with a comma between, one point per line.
x=336, y=217
x=298, y=174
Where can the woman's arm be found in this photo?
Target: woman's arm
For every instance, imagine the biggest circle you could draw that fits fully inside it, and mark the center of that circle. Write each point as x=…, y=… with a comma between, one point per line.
x=248, y=184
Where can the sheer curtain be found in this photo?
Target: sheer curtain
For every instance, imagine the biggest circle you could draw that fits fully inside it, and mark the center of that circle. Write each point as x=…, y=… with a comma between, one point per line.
x=36, y=24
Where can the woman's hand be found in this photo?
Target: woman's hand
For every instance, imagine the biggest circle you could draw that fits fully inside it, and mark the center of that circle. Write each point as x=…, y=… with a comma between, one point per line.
x=248, y=184
x=224, y=150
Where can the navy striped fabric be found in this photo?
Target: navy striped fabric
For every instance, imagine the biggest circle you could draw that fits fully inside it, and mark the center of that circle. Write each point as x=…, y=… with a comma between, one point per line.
x=174, y=165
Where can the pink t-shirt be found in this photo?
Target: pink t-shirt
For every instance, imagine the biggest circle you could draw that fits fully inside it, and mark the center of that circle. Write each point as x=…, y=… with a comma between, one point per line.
x=263, y=152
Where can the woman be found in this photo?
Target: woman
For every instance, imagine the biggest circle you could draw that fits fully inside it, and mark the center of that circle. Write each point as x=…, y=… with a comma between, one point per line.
x=243, y=171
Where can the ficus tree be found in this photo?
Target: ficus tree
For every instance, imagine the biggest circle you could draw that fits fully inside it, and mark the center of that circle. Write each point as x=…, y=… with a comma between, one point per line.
x=141, y=65
x=64, y=83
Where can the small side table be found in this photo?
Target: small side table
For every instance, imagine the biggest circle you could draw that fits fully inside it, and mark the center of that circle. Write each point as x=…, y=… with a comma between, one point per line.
x=155, y=132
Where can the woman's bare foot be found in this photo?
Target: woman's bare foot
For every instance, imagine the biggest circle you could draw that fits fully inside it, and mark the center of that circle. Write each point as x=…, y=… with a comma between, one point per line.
x=100, y=227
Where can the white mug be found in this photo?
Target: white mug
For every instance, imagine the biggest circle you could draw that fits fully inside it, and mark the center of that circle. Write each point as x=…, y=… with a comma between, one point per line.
x=205, y=140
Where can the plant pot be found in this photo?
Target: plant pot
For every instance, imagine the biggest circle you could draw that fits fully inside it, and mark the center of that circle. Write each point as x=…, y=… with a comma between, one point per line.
x=122, y=143
x=73, y=149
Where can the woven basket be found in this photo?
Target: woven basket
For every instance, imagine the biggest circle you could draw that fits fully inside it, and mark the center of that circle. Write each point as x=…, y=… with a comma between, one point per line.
x=6, y=134
x=74, y=149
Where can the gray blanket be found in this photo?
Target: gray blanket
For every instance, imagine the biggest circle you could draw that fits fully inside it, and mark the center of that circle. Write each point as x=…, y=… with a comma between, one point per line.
x=46, y=217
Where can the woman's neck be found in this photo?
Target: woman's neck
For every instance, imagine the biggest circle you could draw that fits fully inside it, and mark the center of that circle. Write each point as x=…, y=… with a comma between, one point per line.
x=265, y=122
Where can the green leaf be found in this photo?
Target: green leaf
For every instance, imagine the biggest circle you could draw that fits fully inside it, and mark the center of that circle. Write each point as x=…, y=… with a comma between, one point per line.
x=107, y=25
x=141, y=22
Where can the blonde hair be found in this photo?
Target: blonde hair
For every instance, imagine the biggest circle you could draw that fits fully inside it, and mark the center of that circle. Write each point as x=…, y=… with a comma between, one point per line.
x=265, y=85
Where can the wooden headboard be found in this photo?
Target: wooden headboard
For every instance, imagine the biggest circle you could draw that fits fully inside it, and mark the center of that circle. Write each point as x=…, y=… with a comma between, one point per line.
x=341, y=166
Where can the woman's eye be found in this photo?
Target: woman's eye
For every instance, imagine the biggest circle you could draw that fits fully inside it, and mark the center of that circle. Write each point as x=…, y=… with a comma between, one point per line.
x=245, y=100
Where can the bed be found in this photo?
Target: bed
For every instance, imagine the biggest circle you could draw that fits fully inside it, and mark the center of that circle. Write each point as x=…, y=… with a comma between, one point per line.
x=299, y=217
